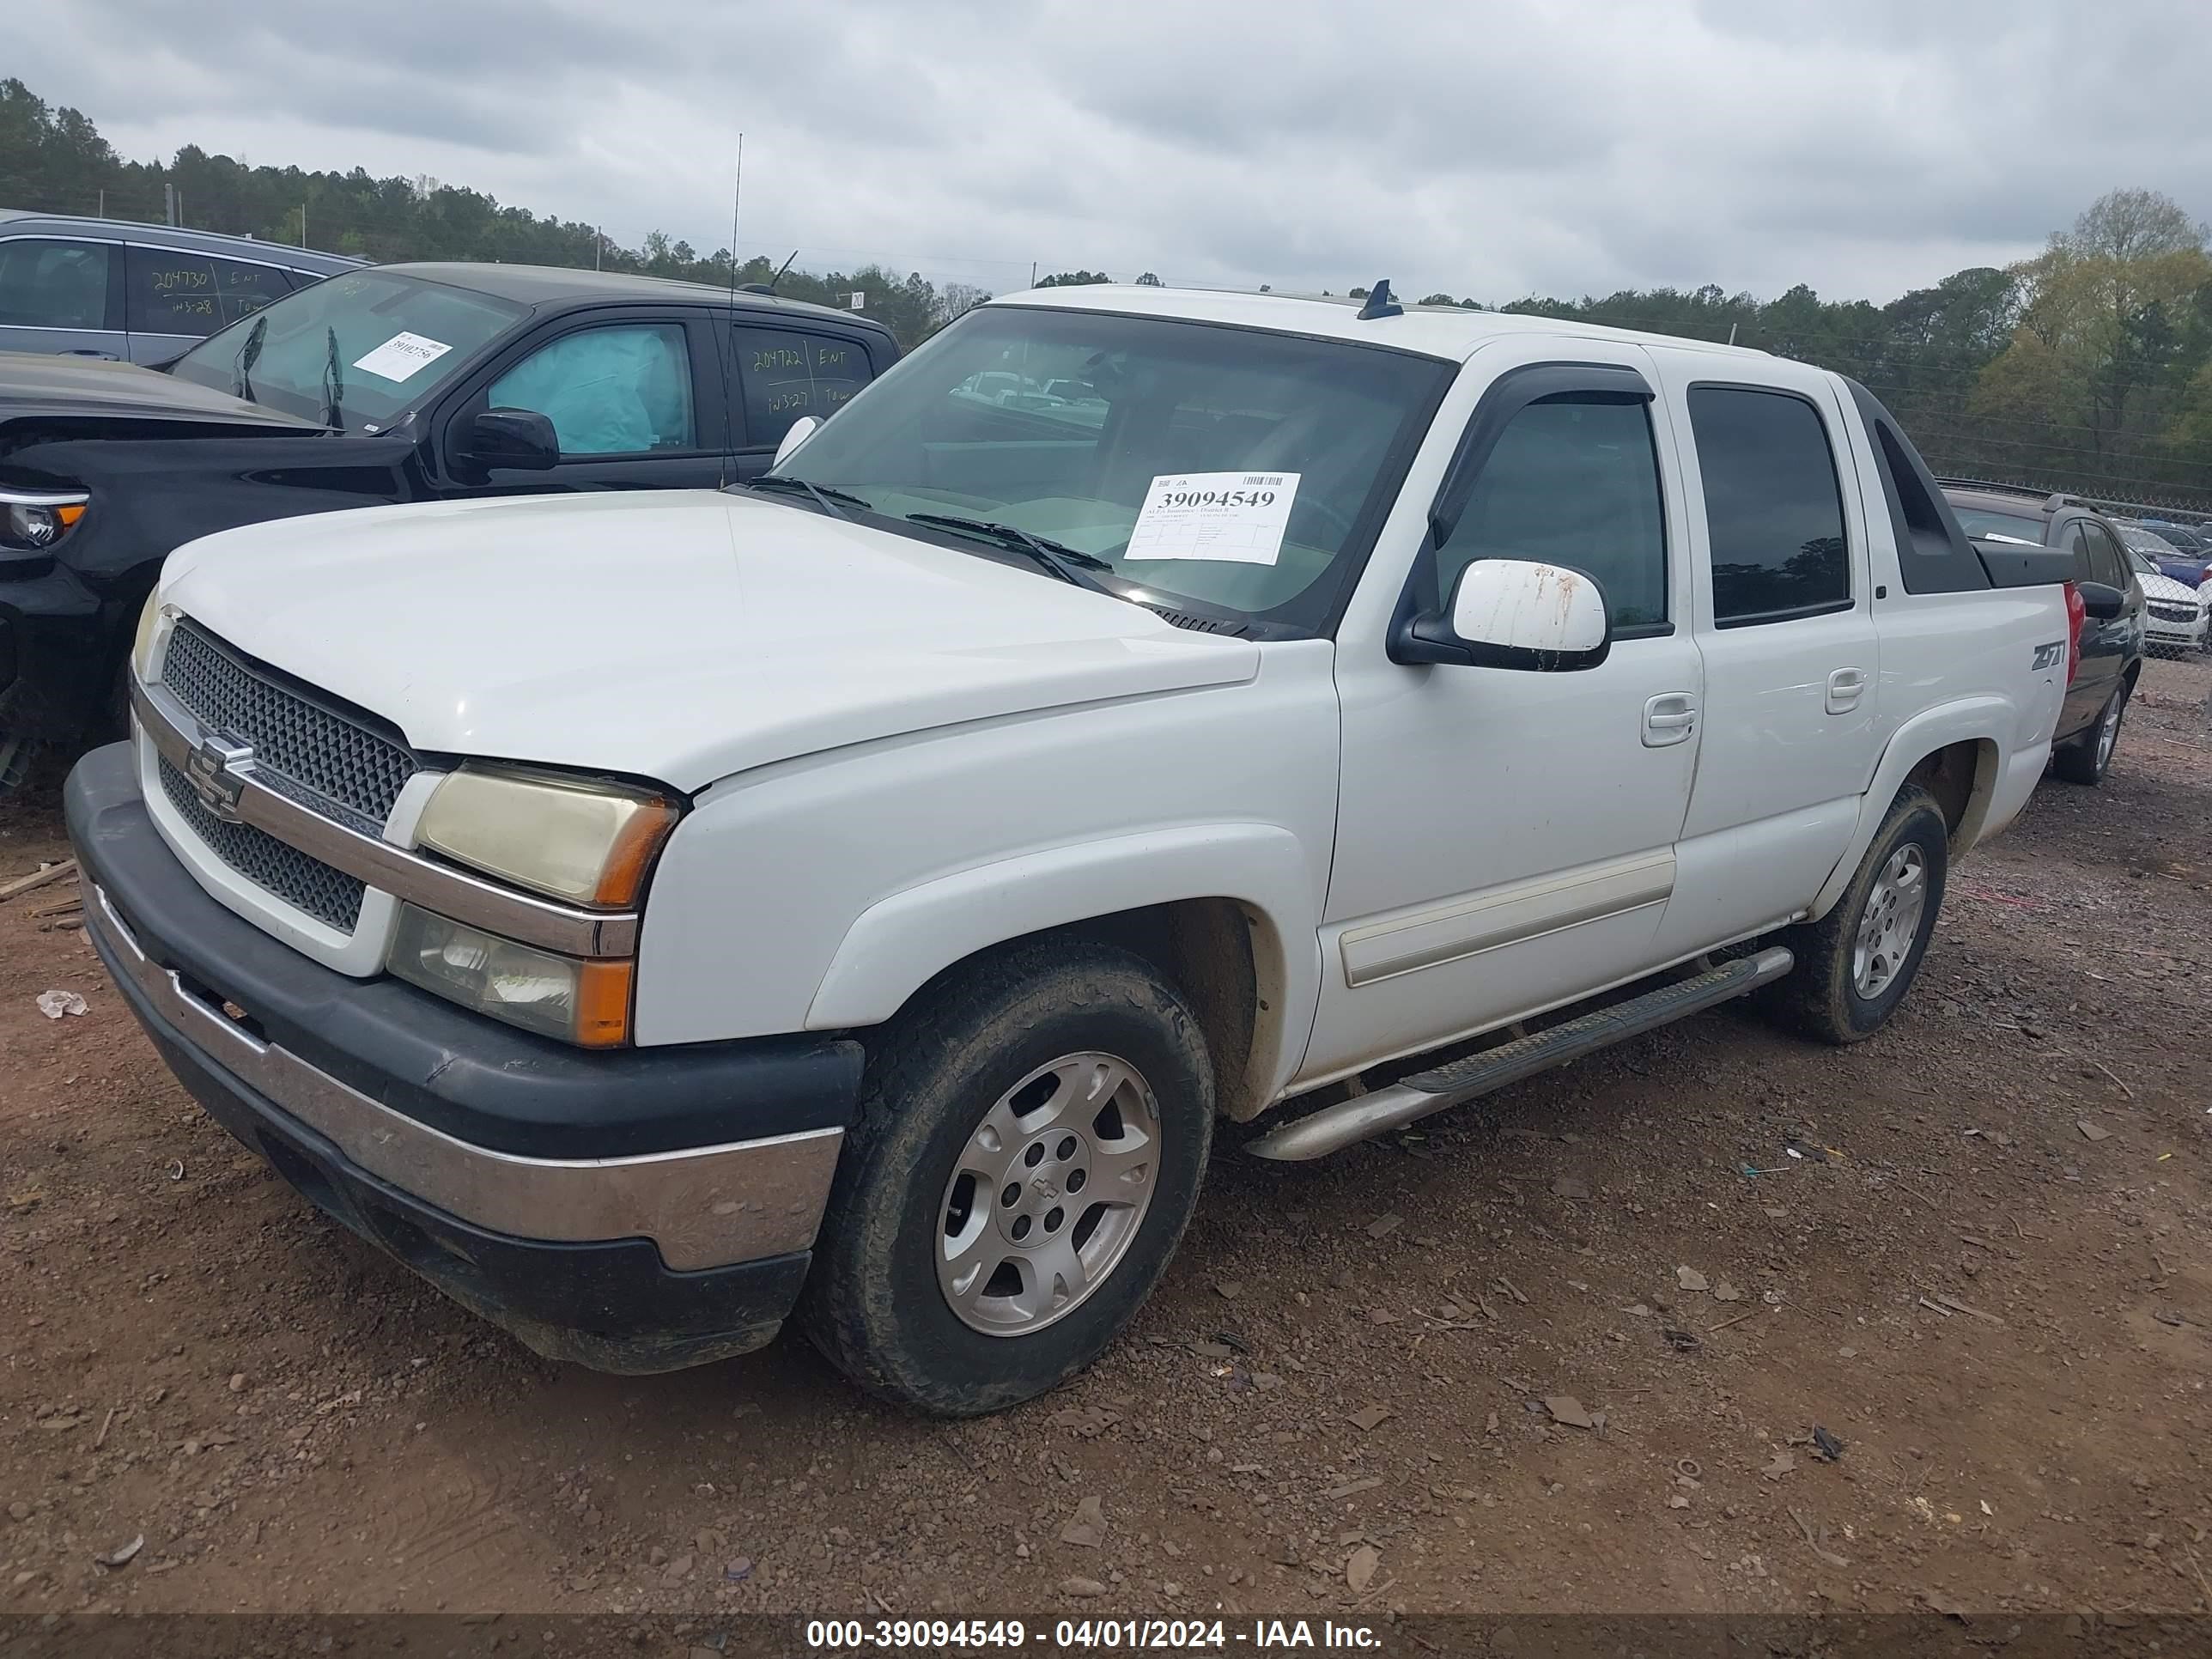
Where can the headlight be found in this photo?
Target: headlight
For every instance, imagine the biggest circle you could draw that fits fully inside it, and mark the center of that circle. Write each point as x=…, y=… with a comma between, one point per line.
x=587, y=1003
x=581, y=839
x=34, y=521
x=142, y=648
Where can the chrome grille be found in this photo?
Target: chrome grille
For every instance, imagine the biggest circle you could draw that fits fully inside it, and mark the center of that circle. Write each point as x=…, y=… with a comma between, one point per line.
x=322, y=755
x=304, y=883
x=2166, y=612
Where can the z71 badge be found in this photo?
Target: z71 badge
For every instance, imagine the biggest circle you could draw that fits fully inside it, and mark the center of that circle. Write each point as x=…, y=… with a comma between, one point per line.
x=2051, y=655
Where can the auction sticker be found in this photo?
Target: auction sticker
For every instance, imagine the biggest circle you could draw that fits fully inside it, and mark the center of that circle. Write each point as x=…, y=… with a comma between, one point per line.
x=402, y=356
x=1237, y=518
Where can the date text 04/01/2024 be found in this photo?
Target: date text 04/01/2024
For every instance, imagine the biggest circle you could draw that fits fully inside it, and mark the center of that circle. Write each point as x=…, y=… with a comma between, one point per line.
x=1104, y=1635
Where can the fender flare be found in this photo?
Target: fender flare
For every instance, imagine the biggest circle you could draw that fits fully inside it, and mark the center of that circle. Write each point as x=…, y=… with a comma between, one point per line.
x=1968, y=719
x=901, y=942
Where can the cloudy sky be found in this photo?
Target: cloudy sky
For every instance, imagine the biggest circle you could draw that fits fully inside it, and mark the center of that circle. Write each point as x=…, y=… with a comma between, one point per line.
x=1494, y=148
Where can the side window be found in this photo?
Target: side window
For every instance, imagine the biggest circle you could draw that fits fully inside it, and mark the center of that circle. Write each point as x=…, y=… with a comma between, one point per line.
x=1774, y=514
x=2105, y=559
x=787, y=374
x=53, y=285
x=174, y=291
x=625, y=389
x=2077, y=544
x=1572, y=480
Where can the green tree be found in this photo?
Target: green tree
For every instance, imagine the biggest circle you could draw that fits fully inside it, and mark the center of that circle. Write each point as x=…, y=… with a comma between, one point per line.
x=2104, y=333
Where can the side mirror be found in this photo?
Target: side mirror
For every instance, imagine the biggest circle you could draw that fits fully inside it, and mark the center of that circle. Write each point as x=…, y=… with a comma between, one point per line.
x=2102, y=600
x=520, y=438
x=1513, y=613
x=795, y=435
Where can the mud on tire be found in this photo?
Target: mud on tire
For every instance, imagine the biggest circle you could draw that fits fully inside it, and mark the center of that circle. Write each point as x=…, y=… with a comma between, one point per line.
x=938, y=1200
x=1855, y=963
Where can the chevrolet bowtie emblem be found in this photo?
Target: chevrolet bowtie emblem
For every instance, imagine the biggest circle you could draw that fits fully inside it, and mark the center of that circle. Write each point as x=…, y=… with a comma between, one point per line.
x=216, y=770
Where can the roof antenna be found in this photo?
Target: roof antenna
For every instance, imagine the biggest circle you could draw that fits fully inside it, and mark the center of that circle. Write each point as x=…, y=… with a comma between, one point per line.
x=769, y=286
x=1380, y=304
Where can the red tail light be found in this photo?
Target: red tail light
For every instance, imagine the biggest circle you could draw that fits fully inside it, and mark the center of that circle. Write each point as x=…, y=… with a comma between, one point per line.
x=2076, y=614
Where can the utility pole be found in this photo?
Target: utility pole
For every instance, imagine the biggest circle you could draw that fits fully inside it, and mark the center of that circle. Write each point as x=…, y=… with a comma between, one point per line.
x=169, y=204
x=599, y=241
x=303, y=224
x=1032, y=273
x=103, y=205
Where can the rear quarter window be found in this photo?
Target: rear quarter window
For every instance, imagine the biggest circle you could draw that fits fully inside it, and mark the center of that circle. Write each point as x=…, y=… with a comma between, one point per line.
x=1774, y=510
x=787, y=374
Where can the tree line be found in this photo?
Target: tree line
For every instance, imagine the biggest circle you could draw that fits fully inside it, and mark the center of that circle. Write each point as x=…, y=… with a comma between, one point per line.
x=2087, y=367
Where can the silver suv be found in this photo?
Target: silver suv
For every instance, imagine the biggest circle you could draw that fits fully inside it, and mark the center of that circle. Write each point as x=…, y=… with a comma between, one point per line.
x=106, y=288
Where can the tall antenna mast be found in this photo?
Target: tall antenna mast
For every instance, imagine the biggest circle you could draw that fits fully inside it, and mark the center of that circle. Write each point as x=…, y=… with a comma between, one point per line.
x=730, y=363
x=737, y=198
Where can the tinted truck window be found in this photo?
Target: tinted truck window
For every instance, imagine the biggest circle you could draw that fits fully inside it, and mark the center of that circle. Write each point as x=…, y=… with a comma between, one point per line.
x=1773, y=511
x=170, y=291
x=1574, y=483
x=787, y=375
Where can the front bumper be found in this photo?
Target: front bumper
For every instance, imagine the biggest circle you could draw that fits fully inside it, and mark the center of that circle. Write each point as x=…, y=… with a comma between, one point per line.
x=635, y=1210
x=2172, y=635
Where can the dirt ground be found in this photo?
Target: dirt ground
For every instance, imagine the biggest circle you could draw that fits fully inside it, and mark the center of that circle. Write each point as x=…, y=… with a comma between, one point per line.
x=1986, y=1278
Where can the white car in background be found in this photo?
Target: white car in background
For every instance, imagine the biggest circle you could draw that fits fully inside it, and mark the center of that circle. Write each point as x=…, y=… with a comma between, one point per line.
x=2173, y=613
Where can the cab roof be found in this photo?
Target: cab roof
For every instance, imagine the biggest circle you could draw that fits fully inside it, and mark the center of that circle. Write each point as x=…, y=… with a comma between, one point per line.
x=1447, y=332
x=538, y=285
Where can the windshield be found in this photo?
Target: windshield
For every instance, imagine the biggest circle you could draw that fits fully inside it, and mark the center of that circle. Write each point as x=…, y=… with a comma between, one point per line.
x=2183, y=537
x=355, y=351
x=1230, y=469
x=1979, y=521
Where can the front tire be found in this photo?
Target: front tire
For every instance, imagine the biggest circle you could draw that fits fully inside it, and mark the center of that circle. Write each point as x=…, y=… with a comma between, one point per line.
x=1857, y=962
x=1027, y=1152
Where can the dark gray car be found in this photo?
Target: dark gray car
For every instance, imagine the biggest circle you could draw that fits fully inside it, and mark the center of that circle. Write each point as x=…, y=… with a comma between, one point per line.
x=106, y=288
x=2106, y=605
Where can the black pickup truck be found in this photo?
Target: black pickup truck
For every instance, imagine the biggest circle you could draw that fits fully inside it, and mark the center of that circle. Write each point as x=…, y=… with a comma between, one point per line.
x=400, y=383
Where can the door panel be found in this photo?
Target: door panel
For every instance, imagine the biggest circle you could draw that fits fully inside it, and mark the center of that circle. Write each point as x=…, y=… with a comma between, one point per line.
x=1791, y=661
x=1506, y=839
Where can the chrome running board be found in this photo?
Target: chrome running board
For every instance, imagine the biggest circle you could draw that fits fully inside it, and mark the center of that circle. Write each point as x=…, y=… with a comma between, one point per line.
x=1334, y=1127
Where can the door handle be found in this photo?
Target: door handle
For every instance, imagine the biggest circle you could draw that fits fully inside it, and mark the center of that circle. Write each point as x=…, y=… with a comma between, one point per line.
x=87, y=351
x=1845, y=686
x=1669, y=718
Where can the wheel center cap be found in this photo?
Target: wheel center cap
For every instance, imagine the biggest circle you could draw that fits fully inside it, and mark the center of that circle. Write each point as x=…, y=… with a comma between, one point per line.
x=1045, y=1188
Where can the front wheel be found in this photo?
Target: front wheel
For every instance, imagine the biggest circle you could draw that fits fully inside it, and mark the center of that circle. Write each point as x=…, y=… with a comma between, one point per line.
x=1028, y=1148
x=1857, y=962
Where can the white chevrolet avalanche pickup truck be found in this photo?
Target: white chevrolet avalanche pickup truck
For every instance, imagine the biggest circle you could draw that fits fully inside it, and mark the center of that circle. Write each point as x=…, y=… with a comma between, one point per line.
x=855, y=897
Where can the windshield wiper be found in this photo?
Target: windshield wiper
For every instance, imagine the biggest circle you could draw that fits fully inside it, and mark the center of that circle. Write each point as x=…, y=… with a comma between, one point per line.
x=333, y=384
x=1063, y=562
x=249, y=354
x=825, y=496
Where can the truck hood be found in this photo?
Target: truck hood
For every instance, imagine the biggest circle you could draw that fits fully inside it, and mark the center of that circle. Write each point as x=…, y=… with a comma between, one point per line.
x=681, y=636
x=90, y=388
